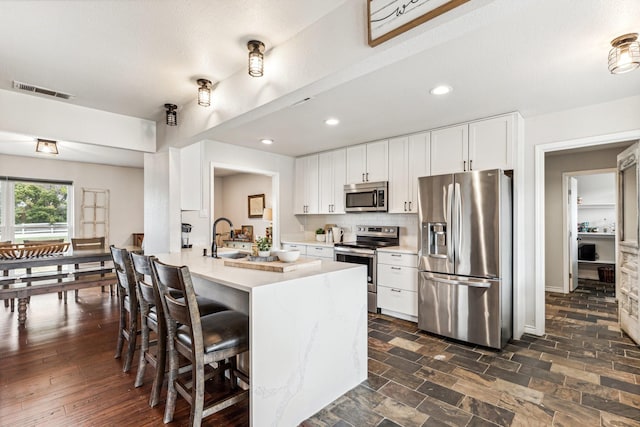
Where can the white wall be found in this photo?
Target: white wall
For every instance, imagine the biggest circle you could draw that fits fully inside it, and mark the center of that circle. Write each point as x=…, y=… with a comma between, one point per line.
x=124, y=184
x=235, y=191
x=585, y=124
x=555, y=166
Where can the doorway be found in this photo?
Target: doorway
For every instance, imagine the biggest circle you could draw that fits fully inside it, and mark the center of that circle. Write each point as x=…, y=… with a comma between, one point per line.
x=589, y=220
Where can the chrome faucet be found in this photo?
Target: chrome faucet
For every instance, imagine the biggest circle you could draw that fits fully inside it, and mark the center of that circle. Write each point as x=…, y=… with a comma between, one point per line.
x=214, y=246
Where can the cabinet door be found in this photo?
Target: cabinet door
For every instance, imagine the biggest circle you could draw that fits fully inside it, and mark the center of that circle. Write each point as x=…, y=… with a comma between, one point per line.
x=325, y=175
x=190, y=178
x=295, y=247
x=320, y=252
x=398, y=300
x=339, y=179
x=377, y=161
x=449, y=150
x=398, y=184
x=418, y=160
x=299, y=206
x=332, y=171
x=356, y=163
x=491, y=143
x=311, y=184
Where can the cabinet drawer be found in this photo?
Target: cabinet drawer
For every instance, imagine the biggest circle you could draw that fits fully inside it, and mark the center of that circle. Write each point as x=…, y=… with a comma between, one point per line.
x=407, y=260
x=398, y=277
x=293, y=246
x=320, y=251
x=398, y=300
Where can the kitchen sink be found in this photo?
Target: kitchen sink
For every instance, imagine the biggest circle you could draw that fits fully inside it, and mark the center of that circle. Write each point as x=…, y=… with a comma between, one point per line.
x=233, y=255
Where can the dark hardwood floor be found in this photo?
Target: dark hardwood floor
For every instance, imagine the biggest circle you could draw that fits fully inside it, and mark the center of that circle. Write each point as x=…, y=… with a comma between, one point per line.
x=60, y=371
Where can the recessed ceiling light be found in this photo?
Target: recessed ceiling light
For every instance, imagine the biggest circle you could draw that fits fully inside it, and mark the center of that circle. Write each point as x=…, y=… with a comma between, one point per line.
x=441, y=90
x=267, y=141
x=331, y=122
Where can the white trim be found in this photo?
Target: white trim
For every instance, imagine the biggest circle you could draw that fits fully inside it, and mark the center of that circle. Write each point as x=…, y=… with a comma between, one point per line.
x=539, y=225
x=519, y=280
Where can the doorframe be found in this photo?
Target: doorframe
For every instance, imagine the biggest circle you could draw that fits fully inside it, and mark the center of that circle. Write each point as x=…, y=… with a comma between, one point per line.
x=566, y=285
x=539, y=193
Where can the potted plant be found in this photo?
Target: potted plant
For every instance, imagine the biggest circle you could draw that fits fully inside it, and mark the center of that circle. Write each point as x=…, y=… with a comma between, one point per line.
x=320, y=235
x=264, y=246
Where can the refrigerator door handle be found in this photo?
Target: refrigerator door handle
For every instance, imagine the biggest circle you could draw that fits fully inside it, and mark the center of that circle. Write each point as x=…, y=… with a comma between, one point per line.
x=449, y=223
x=458, y=223
x=462, y=283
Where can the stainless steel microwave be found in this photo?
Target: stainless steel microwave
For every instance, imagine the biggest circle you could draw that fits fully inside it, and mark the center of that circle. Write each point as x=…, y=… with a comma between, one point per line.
x=366, y=197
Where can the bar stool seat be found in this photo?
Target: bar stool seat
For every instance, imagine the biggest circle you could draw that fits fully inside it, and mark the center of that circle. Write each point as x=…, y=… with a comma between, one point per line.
x=220, y=331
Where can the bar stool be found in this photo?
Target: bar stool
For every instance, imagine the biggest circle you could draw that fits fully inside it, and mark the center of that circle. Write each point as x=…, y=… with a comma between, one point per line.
x=214, y=339
x=153, y=319
x=128, y=302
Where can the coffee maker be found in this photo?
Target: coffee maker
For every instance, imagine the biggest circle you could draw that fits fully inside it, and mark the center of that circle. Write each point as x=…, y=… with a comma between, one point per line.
x=186, y=230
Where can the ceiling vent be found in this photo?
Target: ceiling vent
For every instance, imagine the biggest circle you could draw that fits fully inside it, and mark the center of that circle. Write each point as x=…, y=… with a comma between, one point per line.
x=41, y=90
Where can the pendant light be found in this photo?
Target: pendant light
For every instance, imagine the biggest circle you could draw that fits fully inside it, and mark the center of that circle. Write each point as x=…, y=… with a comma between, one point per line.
x=256, y=58
x=204, y=92
x=624, y=56
x=172, y=115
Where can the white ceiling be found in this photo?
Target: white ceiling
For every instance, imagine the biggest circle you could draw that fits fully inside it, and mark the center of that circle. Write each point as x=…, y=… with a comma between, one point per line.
x=130, y=57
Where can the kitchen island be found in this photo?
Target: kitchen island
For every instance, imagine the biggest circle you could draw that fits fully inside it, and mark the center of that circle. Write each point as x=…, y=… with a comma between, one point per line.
x=308, y=331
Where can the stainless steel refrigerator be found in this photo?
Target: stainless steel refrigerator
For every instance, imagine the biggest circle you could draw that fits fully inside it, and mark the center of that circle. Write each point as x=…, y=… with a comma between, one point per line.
x=465, y=277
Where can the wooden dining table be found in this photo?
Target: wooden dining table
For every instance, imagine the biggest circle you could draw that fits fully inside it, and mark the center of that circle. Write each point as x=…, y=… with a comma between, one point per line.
x=74, y=269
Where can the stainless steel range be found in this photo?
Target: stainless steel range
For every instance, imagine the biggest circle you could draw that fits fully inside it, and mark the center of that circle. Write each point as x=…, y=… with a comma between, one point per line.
x=363, y=251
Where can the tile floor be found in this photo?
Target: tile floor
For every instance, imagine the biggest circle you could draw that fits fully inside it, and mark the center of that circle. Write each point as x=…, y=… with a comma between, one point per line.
x=583, y=372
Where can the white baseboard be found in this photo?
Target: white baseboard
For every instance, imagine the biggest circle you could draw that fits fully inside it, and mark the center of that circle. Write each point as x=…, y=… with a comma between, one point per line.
x=558, y=289
x=399, y=315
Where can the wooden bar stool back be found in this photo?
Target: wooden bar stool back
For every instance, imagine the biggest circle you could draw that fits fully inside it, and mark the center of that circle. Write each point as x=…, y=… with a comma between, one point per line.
x=152, y=319
x=128, y=302
x=215, y=339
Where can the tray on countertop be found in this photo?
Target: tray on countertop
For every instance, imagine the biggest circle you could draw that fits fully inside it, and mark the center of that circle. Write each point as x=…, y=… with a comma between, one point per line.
x=276, y=266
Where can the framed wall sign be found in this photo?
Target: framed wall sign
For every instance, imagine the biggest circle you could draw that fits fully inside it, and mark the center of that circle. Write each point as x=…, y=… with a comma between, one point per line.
x=256, y=205
x=389, y=18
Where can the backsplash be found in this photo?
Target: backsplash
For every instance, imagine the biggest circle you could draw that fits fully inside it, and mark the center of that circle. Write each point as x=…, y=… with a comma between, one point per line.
x=408, y=224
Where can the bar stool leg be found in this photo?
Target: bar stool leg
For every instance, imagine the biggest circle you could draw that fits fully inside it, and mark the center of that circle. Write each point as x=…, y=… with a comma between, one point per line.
x=133, y=335
x=170, y=404
x=121, y=326
x=144, y=347
x=161, y=361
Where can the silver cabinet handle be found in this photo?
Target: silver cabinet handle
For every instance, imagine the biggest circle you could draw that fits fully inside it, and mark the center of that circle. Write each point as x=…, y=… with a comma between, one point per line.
x=409, y=206
x=396, y=255
x=396, y=268
x=395, y=290
x=405, y=206
x=464, y=165
x=471, y=164
x=367, y=176
x=363, y=178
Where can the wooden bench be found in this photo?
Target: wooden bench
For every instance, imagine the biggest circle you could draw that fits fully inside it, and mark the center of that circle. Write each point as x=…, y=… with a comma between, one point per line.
x=75, y=269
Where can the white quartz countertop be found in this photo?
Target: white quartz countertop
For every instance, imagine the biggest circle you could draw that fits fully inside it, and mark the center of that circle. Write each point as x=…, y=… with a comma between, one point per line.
x=242, y=278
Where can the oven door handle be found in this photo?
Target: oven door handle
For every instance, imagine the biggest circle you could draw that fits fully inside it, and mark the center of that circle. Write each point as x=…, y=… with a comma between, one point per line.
x=348, y=251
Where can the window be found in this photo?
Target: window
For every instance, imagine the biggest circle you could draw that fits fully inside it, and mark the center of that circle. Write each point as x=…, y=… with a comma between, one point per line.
x=35, y=209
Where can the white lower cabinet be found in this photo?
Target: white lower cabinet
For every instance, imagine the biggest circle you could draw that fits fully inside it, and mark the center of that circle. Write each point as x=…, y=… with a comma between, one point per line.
x=398, y=283
x=296, y=247
x=244, y=246
x=321, y=252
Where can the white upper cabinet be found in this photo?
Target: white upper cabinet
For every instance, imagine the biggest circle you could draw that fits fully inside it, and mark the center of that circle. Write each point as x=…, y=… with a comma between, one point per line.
x=332, y=177
x=408, y=160
x=306, y=186
x=491, y=143
x=190, y=178
x=449, y=150
x=368, y=162
x=480, y=145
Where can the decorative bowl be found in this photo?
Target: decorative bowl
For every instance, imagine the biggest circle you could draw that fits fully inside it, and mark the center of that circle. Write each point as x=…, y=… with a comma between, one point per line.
x=288, y=256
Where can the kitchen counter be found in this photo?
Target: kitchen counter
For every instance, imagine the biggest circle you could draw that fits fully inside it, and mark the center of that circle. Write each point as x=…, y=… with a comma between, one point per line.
x=399, y=249
x=308, y=243
x=308, y=330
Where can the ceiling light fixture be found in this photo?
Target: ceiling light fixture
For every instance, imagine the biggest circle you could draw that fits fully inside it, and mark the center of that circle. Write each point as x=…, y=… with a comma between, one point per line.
x=256, y=58
x=331, y=121
x=204, y=92
x=47, y=146
x=441, y=90
x=267, y=141
x=172, y=115
x=624, y=56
